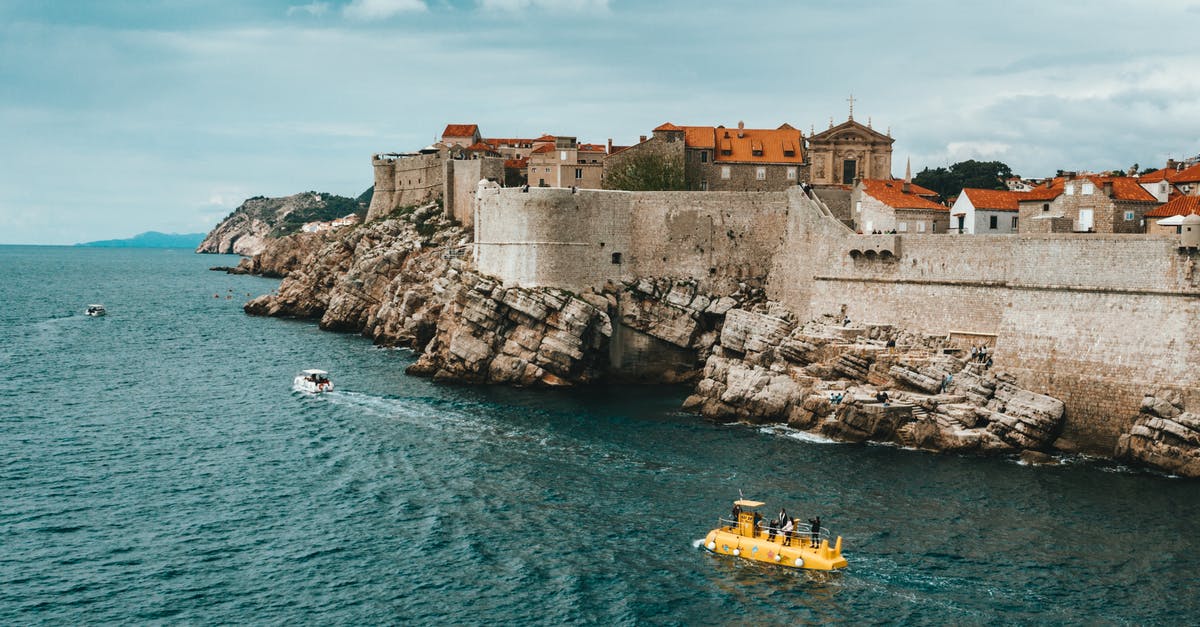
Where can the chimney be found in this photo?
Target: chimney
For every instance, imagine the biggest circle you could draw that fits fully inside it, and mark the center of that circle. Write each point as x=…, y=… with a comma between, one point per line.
x=1049, y=183
x=907, y=187
x=610, y=145
x=1108, y=188
x=1170, y=164
x=641, y=138
x=741, y=130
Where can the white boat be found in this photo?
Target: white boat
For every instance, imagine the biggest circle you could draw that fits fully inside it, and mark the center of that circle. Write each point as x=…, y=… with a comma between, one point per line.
x=312, y=381
x=96, y=310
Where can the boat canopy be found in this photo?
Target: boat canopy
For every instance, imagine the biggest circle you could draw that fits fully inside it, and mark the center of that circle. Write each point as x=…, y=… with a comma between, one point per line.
x=313, y=371
x=747, y=503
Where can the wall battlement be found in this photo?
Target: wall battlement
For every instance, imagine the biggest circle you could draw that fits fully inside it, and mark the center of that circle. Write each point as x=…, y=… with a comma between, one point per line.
x=1096, y=320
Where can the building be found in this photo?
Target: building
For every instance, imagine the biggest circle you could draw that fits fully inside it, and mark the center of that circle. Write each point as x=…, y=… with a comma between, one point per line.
x=1172, y=213
x=849, y=151
x=985, y=211
x=461, y=135
x=1089, y=203
x=564, y=162
x=892, y=205
x=716, y=158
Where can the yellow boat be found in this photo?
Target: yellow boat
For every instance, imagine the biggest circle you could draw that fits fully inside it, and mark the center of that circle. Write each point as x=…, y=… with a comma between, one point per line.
x=799, y=549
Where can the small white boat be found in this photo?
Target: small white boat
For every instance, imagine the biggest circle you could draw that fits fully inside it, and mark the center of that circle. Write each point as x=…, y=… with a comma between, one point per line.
x=96, y=310
x=312, y=381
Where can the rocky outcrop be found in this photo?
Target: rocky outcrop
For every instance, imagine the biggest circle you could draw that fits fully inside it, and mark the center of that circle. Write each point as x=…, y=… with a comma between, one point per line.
x=825, y=377
x=1163, y=436
x=260, y=220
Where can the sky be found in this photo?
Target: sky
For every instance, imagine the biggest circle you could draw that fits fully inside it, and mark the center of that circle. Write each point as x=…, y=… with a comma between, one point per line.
x=123, y=116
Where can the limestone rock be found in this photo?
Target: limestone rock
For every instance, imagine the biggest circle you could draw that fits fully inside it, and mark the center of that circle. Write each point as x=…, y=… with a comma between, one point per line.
x=1163, y=437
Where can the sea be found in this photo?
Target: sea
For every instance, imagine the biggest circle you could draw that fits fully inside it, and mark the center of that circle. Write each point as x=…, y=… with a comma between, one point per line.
x=156, y=467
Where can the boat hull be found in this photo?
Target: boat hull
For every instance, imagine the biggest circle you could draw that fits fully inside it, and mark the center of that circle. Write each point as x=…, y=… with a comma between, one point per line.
x=301, y=384
x=800, y=554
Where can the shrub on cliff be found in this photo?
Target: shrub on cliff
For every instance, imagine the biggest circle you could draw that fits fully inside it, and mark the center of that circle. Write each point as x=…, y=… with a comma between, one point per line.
x=647, y=173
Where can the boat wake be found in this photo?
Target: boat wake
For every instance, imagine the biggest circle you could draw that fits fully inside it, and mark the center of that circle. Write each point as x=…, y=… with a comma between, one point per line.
x=796, y=434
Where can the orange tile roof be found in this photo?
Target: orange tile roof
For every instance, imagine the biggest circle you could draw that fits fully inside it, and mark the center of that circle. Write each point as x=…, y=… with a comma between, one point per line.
x=993, y=199
x=592, y=148
x=1124, y=187
x=1179, y=206
x=545, y=138
x=770, y=143
x=1157, y=175
x=891, y=193
x=668, y=127
x=543, y=149
x=480, y=147
x=1187, y=175
x=1041, y=192
x=508, y=141
x=460, y=130
x=517, y=164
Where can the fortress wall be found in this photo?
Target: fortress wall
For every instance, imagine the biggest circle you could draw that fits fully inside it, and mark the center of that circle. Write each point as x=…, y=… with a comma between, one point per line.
x=418, y=179
x=550, y=237
x=1095, y=321
x=461, y=178
x=718, y=238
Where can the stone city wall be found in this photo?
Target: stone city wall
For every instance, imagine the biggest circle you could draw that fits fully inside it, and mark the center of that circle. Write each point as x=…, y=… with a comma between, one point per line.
x=462, y=178
x=405, y=181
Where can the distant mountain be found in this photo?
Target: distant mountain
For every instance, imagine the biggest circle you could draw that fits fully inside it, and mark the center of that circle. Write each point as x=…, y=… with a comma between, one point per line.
x=151, y=239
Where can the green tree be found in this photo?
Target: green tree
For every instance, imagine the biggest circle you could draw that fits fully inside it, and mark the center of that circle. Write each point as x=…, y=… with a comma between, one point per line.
x=647, y=172
x=950, y=181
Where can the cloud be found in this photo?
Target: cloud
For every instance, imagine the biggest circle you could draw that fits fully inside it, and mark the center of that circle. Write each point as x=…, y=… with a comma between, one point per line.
x=315, y=9
x=543, y=5
x=366, y=10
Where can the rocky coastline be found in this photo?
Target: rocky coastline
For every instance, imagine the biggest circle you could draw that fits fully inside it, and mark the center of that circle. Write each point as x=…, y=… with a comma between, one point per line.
x=407, y=281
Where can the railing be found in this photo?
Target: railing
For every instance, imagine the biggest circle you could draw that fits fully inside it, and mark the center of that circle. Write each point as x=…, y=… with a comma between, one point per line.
x=802, y=531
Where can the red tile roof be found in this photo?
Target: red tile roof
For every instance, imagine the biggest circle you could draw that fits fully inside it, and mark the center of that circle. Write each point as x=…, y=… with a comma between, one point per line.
x=543, y=149
x=592, y=148
x=1187, y=175
x=545, y=138
x=771, y=145
x=1179, y=206
x=891, y=193
x=1041, y=192
x=993, y=199
x=460, y=130
x=508, y=141
x=1124, y=187
x=517, y=164
x=668, y=127
x=1157, y=175
x=480, y=147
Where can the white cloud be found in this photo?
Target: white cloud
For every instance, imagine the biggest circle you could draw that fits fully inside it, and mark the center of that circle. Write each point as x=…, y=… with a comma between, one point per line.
x=381, y=9
x=315, y=9
x=544, y=5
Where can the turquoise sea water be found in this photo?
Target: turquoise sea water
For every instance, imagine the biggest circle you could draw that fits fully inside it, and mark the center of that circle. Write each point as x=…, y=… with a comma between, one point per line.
x=155, y=467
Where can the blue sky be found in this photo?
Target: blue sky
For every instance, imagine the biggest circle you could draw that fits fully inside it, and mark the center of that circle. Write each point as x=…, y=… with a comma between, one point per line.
x=122, y=116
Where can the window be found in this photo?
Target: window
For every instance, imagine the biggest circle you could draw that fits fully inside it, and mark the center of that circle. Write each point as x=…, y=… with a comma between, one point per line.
x=725, y=172
x=1014, y=223
x=562, y=155
x=703, y=156
x=1129, y=216
x=992, y=220
x=616, y=258
x=791, y=174
x=704, y=186
x=1045, y=206
x=858, y=207
x=902, y=227
x=1070, y=189
x=1087, y=188
x=541, y=182
x=760, y=174
x=920, y=226
x=578, y=173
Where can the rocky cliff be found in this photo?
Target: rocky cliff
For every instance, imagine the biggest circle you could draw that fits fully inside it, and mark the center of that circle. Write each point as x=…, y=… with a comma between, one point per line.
x=408, y=281
x=259, y=220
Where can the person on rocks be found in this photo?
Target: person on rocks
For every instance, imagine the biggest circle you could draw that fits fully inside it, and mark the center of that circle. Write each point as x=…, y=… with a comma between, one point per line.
x=987, y=365
x=882, y=397
x=974, y=353
x=891, y=346
x=946, y=381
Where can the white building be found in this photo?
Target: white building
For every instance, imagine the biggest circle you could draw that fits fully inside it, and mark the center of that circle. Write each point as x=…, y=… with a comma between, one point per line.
x=984, y=212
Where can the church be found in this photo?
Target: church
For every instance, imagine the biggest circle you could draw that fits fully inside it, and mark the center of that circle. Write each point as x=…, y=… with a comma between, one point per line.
x=849, y=151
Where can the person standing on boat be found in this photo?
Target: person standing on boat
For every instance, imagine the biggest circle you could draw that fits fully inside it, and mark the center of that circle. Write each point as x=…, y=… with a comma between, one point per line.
x=788, y=528
x=814, y=532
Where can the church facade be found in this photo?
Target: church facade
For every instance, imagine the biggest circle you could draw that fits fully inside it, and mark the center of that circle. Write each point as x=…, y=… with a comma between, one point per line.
x=849, y=151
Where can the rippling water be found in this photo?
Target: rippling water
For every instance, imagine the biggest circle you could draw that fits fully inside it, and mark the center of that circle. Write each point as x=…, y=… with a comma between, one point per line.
x=155, y=466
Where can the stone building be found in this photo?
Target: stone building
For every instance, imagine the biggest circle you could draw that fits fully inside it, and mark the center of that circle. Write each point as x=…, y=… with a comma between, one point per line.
x=985, y=211
x=1087, y=204
x=461, y=135
x=847, y=152
x=890, y=204
x=726, y=159
x=565, y=162
x=1172, y=212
